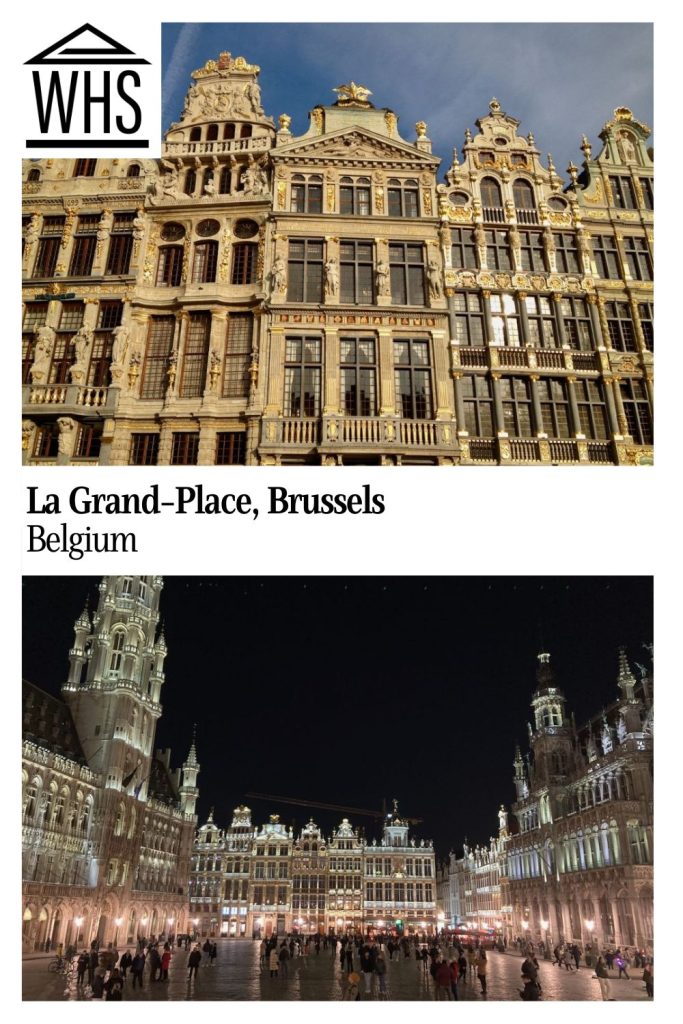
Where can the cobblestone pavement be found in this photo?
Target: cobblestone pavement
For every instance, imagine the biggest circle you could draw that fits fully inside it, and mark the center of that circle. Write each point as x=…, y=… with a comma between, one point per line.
x=237, y=976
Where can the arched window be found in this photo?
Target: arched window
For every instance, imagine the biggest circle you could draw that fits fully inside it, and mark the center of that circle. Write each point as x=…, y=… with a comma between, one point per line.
x=307, y=193
x=170, y=266
x=117, y=651
x=245, y=131
x=491, y=199
x=120, y=819
x=33, y=174
x=190, y=182
x=229, y=131
x=212, y=133
x=525, y=203
x=208, y=179
x=195, y=134
x=133, y=171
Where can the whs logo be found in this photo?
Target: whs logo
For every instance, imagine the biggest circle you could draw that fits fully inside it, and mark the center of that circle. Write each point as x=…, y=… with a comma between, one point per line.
x=89, y=92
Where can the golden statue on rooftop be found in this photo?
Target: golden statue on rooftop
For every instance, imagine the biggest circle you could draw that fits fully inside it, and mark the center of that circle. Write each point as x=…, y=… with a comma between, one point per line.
x=352, y=95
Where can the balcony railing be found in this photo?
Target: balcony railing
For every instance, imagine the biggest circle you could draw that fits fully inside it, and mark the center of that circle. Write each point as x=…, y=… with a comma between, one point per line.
x=304, y=431
x=495, y=214
x=527, y=216
x=358, y=430
x=50, y=394
x=218, y=146
x=418, y=433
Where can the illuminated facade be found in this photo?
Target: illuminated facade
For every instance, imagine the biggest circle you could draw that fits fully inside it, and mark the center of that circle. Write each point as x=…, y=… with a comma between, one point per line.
x=107, y=826
x=310, y=884
x=264, y=298
x=581, y=864
x=472, y=889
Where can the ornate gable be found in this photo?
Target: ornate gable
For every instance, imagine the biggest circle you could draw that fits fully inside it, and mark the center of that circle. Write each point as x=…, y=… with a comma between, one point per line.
x=352, y=145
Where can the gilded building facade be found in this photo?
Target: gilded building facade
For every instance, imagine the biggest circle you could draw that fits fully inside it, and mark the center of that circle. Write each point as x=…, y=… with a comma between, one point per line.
x=264, y=298
x=267, y=881
x=472, y=889
x=107, y=826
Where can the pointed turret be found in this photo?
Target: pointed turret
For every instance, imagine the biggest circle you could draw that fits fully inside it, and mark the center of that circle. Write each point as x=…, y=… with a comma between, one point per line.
x=189, y=792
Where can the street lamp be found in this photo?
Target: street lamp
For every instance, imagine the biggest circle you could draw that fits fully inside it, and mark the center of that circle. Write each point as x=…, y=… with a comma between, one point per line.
x=118, y=921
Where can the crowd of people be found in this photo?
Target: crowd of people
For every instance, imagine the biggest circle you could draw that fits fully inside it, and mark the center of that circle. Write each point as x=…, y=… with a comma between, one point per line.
x=447, y=965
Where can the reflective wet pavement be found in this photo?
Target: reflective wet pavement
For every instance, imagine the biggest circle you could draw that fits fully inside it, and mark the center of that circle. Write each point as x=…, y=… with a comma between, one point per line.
x=238, y=976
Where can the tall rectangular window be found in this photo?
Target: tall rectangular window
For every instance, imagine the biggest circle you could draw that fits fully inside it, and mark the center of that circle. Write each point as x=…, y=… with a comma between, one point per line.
x=516, y=399
x=307, y=195
x=497, y=250
x=566, y=252
x=505, y=320
x=46, y=443
x=356, y=272
x=305, y=270
x=463, y=248
x=120, y=244
x=89, y=441
x=541, y=321
x=623, y=194
x=158, y=350
x=196, y=355
x=85, y=243
x=606, y=256
x=577, y=324
x=144, y=449
x=184, y=448
x=85, y=168
x=637, y=410
x=646, y=314
x=358, y=376
x=554, y=406
x=204, y=263
x=592, y=409
x=403, y=198
x=413, y=378
x=170, y=266
x=620, y=326
x=70, y=320
x=237, y=356
x=303, y=372
x=638, y=258
x=244, y=261
x=354, y=197
x=406, y=264
x=532, y=250
x=469, y=318
x=647, y=187
x=478, y=406
x=48, y=246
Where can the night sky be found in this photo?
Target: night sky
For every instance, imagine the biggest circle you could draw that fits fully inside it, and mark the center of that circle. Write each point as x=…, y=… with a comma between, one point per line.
x=348, y=690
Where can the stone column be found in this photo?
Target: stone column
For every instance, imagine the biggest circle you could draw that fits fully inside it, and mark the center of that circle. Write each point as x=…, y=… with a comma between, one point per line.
x=206, y=452
x=600, y=339
x=621, y=415
x=561, y=333
x=276, y=372
x=68, y=435
x=536, y=403
x=444, y=410
x=498, y=407
x=611, y=408
x=66, y=246
x=387, y=392
x=165, y=444
x=488, y=318
x=525, y=340
x=217, y=345
x=574, y=409
x=331, y=399
x=459, y=404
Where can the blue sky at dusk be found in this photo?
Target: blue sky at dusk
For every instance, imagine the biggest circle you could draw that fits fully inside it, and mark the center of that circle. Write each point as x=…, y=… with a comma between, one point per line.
x=559, y=80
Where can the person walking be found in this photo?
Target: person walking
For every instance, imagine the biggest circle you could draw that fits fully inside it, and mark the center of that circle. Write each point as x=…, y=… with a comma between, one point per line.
x=126, y=961
x=93, y=960
x=193, y=962
x=274, y=962
x=620, y=961
x=381, y=972
x=213, y=953
x=602, y=974
x=284, y=959
x=154, y=964
x=649, y=979
x=453, y=967
x=262, y=950
x=531, y=990
x=81, y=967
x=442, y=980
x=482, y=966
x=349, y=957
x=576, y=953
x=367, y=966
x=165, y=962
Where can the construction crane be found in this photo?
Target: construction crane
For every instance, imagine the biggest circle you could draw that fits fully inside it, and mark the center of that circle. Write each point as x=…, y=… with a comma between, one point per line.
x=334, y=807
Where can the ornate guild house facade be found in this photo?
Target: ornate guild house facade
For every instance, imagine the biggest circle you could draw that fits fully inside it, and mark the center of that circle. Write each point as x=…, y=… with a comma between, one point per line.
x=263, y=298
x=249, y=882
x=107, y=826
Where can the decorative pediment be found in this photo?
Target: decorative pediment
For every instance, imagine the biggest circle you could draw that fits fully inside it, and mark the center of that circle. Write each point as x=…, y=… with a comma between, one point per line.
x=351, y=144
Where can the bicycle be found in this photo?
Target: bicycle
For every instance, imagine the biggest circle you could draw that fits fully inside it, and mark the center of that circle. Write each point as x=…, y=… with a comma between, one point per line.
x=60, y=965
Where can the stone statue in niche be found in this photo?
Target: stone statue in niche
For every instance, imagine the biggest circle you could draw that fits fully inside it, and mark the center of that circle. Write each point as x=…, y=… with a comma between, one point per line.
x=434, y=279
x=119, y=345
x=82, y=342
x=65, y=440
x=42, y=355
x=104, y=226
x=627, y=151
x=331, y=276
x=278, y=274
x=382, y=278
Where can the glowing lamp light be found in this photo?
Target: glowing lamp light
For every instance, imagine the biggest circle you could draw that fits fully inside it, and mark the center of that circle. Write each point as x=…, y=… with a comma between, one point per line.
x=195, y=921
x=525, y=925
x=171, y=920
x=118, y=921
x=590, y=925
x=380, y=924
x=78, y=921
x=544, y=925
x=145, y=919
